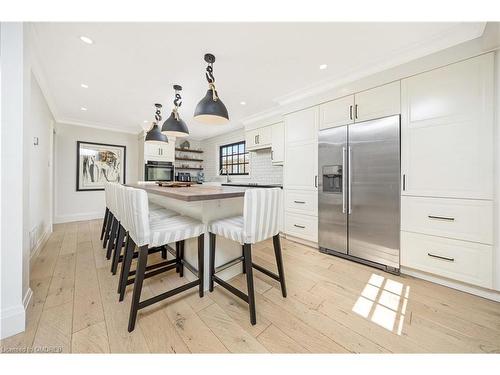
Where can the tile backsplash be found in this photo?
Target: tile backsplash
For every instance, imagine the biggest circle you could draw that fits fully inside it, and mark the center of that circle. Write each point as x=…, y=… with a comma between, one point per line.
x=261, y=168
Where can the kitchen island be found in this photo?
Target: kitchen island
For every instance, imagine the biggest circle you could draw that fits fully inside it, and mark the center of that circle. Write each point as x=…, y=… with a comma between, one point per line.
x=205, y=203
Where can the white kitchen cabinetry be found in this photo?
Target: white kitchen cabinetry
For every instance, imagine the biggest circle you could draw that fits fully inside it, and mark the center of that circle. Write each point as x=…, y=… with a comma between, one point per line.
x=160, y=152
x=371, y=104
x=300, y=174
x=338, y=112
x=278, y=143
x=258, y=138
x=447, y=171
x=447, y=131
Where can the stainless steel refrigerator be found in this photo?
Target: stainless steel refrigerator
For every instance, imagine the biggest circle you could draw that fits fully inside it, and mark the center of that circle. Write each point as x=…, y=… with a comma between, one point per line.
x=359, y=192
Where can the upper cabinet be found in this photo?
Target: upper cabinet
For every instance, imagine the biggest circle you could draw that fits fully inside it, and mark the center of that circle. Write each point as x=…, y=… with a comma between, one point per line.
x=278, y=143
x=447, y=131
x=301, y=126
x=378, y=102
x=160, y=152
x=371, y=104
x=338, y=112
x=258, y=138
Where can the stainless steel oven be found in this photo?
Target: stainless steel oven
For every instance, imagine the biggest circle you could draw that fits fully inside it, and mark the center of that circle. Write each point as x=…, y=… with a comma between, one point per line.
x=158, y=171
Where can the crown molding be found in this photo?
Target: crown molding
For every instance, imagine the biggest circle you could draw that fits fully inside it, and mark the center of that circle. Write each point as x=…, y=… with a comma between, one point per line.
x=98, y=125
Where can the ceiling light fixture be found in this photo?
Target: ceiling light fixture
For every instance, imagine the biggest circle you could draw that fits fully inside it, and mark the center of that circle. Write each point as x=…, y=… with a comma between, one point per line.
x=84, y=85
x=154, y=134
x=243, y=103
x=83, y=108
x=323, y=66
x=174, y=126
x=86, y=39
x=210, y=109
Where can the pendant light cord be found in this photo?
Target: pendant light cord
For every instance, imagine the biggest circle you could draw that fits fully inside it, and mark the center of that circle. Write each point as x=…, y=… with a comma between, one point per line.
x=211, y=81
x=177, y=104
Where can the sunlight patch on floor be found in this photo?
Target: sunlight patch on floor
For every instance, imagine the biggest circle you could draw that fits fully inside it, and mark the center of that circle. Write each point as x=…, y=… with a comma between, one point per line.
x=382, y=302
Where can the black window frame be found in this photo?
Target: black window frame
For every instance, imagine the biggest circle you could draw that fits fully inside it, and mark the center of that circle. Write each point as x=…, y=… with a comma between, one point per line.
x=232, y=155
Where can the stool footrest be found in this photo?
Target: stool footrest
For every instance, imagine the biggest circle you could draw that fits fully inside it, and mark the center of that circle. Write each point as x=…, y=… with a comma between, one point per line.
x=168, y=294
x=156, y=271
x=229, y=264
x=267, y=272
x=232, y=289
x=189, y=266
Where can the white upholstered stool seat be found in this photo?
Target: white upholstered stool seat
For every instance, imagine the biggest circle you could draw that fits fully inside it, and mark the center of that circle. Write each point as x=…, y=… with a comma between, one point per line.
x=231, y=228
x=161, y=213
x=172, y=229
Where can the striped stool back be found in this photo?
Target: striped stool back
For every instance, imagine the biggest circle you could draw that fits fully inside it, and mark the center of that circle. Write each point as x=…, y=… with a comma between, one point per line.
x=261, y=214
x=137, y=217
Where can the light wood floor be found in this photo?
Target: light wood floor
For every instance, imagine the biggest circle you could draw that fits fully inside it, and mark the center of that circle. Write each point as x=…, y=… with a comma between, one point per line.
x=333, y=306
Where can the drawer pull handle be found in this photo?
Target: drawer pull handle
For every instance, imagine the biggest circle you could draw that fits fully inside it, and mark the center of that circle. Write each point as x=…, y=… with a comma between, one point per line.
x=299, y=226
x=302, y=202
x=440, y=257
x=441, y=218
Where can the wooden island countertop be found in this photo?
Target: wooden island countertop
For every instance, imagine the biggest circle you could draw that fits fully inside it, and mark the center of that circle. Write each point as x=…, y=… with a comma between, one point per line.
x=192, y=193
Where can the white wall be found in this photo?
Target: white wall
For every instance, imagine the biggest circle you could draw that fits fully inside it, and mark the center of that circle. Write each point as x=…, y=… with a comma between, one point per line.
x=72, y=205
x=40, y=159
x=261, y=168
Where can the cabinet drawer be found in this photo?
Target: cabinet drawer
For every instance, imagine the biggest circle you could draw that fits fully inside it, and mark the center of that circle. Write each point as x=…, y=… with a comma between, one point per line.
x=303, y=202
x=469, y=220
x=302, y=226
x=460, y=260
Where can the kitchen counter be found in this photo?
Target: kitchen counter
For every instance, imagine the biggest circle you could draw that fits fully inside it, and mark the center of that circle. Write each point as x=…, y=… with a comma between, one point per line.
x=193, y=193
x=252, y=185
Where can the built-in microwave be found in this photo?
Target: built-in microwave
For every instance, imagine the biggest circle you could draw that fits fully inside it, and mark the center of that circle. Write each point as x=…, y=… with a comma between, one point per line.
x=158, y=171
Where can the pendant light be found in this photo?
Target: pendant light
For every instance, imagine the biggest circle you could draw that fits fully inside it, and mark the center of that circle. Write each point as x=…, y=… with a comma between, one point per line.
x=154, y=134
x=210, y=109
x=174, y=126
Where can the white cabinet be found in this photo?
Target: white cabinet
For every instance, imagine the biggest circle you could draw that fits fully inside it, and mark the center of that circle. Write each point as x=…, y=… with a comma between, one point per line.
x=160, y=152
x=338, y=112
x=378, y=102
x=301, y=202
x=302, y=126
x=278, y=143
x=302, y=226
x=258, y=138
x=366, y=105
x=447, y=131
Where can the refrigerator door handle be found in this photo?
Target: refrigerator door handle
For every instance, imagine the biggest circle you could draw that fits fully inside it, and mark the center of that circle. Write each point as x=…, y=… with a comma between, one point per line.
x=349, y=177
x=343, y=180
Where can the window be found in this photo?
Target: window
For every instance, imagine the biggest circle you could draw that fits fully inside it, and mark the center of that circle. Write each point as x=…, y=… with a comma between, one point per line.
x=234, y=158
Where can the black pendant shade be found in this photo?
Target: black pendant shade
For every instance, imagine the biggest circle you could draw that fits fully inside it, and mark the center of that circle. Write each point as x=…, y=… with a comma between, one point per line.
x=210, y=109
x=174, y=127
x=154, y=135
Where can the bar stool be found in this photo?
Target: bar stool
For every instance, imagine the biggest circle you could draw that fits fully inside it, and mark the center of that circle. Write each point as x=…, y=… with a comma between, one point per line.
x=109, y=196
x=258, y=223
x=146, y=233
x=106, y=210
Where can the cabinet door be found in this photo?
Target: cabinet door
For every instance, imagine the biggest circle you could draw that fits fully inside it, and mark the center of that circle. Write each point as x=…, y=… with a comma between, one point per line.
x=152, y=151
x=378, y=102
x=338, y=112
x=447, y=131
x=264, y=136
x=251, y=139
x=278, y=143
x=302, y=126
x=301, y=167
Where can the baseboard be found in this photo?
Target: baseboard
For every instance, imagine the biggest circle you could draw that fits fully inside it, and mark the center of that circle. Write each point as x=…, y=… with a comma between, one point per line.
x=41, y=243
x=314, y=245
x=467, y=288
x=59, y=219
x=27, y=299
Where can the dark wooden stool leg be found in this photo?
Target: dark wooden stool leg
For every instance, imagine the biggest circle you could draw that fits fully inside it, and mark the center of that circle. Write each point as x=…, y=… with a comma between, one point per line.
x=243, y=255
x=108, y=230
x=139, y=278
x=117, y=249
x=201, y=262
x=247, y=251
x=164, y=252
x=211, y=262
x=127, y=262
x=112, y=237
x=106, y=213
x=181, y=256
x=177, y=256
x=279, y=262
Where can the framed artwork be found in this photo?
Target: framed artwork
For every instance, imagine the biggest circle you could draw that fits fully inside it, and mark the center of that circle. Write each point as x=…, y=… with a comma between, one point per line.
x=97, y=163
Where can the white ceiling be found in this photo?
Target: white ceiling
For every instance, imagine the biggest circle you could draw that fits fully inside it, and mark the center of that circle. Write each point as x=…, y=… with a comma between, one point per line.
x=131, y=66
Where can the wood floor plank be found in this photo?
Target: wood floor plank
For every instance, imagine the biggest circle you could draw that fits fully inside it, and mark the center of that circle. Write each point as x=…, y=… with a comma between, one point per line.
x=54, y=328
x=63, y=281
x=92, y=339
x=276, y=341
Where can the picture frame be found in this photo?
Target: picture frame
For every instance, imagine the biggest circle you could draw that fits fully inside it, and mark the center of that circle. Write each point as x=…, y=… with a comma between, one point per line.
x=97, y=163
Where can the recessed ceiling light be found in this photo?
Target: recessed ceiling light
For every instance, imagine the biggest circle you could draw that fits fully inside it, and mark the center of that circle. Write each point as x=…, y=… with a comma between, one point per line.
x=83, y=108
x=243, y=103
x=323, y=66
x=145, y=121
x=84, y=85
x=86, y=39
